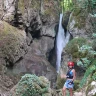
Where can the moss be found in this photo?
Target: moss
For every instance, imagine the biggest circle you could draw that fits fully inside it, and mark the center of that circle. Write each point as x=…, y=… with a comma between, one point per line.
x=74, y=44
x=50, y=8
x=35, y=4
x=9, y=42
x=79, y=15
x=75, y=55
x=21, y=5
x=79, y=54
x=24, y=4
x=77, y=11
x=47, y=12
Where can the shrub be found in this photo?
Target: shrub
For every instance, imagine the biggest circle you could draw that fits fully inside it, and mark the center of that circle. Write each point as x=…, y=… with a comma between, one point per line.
x=73, y=46
x=31, y=85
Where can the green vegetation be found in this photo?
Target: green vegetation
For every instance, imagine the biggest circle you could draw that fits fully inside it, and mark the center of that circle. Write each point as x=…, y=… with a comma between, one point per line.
x=60, y=82
x=73, y=47
x=80, y=10
x=66, y=5
x=21, y=5
x=32, y=85
x=89, y=63
x=82, y=50
x=9, y=43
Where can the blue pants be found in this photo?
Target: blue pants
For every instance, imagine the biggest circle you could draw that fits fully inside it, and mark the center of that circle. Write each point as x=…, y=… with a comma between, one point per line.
x=69, y=84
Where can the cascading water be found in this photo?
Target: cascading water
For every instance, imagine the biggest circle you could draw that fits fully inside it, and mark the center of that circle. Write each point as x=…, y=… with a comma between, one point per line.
x=61, y=41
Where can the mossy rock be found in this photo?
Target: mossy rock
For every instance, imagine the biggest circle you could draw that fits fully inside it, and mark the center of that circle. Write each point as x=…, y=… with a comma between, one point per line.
x=35, y=5
x=73, y=45
x=79, y=54
x=80, y=17
x=21, y=5
x=11, y=41
x=30, y=4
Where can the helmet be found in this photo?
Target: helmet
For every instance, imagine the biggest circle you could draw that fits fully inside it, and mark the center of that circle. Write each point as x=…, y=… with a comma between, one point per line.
x=70, y=63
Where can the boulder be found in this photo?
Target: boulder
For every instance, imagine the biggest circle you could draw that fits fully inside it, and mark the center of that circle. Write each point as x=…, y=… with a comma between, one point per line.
x=12, y=44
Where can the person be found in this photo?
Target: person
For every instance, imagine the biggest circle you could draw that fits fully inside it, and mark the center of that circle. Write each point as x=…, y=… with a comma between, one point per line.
x=70, y=77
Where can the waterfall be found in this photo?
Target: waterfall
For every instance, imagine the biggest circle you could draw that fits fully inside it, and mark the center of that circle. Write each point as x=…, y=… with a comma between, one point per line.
x=61, y=41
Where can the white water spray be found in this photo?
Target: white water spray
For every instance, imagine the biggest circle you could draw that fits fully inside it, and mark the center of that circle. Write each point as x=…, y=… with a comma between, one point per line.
x=61, y=41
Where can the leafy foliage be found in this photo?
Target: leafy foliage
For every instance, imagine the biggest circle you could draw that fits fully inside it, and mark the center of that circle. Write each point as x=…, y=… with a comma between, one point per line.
x=66, y=5
x=31, y=85
x=90, y=70
x=84, y=62
x=73, y=46
x=86, y=52
x=89, y=63
x=90, y=52
x=87, y=73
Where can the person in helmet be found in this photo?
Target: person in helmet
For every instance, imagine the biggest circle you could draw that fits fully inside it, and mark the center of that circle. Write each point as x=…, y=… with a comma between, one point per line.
x=70, y=76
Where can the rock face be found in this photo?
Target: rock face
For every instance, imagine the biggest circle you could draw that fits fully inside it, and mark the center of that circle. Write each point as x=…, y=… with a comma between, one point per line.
x=81, y=26
x=25, y=48
x=7, y=9
x=28, y=48
x=36, y=64
x=13, y=46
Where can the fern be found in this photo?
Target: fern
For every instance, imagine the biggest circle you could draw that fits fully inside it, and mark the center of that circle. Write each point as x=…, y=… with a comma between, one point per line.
x=87, y=73
x=88, y=63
